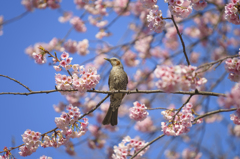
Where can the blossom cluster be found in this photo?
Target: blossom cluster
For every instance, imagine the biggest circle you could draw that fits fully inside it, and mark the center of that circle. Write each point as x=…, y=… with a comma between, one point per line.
x=38, y=54
x=155, y=19
x=182, y=121
x=145, y=126
x=67, y=122
x=182, y=8
x=236, y=117
x=233, y=67
x=232, y=12
x=124, y=148
x=180, y=77
x=87, y=80
x=138, y=111
x=232, y=99
x=130, y=58
x=80, y=47
x=31, y=141
x=78, y=24
x=31, y=4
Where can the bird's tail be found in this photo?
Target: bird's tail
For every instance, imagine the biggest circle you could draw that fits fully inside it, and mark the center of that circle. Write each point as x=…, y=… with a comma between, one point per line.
x=112, y=113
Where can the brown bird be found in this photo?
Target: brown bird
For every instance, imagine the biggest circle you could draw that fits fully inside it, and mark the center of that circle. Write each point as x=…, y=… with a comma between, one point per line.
x=118, y=80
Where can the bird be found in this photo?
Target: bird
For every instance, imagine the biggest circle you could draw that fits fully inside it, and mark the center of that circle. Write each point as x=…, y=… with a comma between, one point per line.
x=117, y=80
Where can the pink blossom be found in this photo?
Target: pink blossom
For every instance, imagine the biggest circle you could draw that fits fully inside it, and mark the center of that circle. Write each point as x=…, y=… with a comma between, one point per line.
x=194, y=57
x=31, y=141
x=78, y=24
x=155, y=20
x=82, y=47
x=100, y=8
x=101, y=34
x=137, y=7
x=145, y=126
x=180, y=8
x=99, y=60
x=130, y=58
x=31, y=4
x=28, y=4
x=119, y=6
x=148, y=3
x=182, y=121
x=80, y=3
x=177, y=78
x=70, y=46
x=233, y=67
x=66, y=17
x=231, y=12
x=39, y=58
x=142, y=45
x=138, y=112
x=60, y=107
x=199, y=5
x=124, y=148
x=236, y=117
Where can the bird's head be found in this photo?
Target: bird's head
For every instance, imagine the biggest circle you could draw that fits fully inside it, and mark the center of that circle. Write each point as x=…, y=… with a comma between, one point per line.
x=114, y=61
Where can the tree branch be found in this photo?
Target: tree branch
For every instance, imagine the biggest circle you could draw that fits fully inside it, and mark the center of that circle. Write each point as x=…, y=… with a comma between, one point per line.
x=17, y=82
x=120, y=91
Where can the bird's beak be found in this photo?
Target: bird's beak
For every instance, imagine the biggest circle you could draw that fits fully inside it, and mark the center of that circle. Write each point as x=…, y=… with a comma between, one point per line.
x=107, y=59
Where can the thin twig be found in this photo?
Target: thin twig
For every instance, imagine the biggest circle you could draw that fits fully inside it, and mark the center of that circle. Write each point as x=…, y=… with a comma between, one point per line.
x=206, y=66
x=183, y=44
x=214, y=112
x=17, y=82
x=15, y=18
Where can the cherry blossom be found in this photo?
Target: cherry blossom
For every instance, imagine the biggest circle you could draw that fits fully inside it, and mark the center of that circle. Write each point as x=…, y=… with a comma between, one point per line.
x=124, y=148
x=182, y=121
x=233, y=67
x=78, y=24
x=231, y=12
x=138, y=112
x=66, y=17
x=82, y=47
x=180, y=8
x=155, y=19
x=145, y=126
x=31, y=141
x=70, y=46
x=129, y=58
x=178, y=77
x=148, y=3
x=236, y=117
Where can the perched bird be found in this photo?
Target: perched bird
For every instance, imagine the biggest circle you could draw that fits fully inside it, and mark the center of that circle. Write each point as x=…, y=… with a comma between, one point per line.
x=117, y=80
